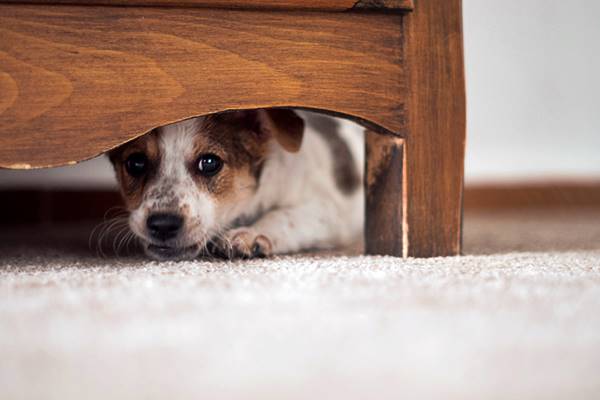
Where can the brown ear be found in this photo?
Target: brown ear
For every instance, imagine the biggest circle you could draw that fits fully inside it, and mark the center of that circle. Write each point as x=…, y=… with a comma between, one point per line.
x=285, y=126
x=114, y=154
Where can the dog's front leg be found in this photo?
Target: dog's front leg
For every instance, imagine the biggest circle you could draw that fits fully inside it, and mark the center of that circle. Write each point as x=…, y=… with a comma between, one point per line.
x=313, y=225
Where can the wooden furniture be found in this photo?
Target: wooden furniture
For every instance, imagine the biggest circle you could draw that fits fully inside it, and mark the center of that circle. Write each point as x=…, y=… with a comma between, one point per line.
x=79, y=77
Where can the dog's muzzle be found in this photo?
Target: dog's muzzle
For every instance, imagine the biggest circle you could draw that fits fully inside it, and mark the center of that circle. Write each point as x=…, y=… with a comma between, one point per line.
x=164, y=227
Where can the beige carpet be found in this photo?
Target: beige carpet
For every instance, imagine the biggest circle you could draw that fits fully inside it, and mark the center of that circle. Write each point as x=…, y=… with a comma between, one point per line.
x=517, y=318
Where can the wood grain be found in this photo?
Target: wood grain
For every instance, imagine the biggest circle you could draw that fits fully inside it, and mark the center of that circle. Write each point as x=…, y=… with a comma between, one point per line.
x=435, y=145
x=78, y=81
x=385, y=223
x=533, y=196
x=324, y=5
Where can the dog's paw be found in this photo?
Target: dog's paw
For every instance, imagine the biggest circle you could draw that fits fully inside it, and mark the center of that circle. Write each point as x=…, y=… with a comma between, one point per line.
x=245, y=243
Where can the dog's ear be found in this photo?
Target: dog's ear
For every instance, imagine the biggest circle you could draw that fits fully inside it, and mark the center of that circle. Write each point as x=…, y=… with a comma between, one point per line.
x=285, y=126
x=113, y=155
x=281, y=125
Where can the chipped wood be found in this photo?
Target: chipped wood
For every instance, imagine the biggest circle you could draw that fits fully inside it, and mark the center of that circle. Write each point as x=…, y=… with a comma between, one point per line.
x=386, y=228
x=384, y=4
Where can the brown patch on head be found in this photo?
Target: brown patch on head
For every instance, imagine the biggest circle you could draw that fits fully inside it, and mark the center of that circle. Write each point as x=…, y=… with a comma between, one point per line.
x=132, y=189
x=241, y=139
x=346, y=175
x=257, y=127
x=230, y=137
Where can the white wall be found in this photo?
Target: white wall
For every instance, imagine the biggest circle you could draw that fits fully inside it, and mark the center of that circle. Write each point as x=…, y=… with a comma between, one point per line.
x=533, y=85
x=93, y=174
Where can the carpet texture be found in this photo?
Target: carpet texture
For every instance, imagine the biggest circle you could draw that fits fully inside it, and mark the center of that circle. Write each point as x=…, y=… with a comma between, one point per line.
x=518, y=317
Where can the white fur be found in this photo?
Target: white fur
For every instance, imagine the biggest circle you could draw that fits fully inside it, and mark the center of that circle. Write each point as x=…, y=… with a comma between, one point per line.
x=298, y=203
x=307, y=210
x=176, y=185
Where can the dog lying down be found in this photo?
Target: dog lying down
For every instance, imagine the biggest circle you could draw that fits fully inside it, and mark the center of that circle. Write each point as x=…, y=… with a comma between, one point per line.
x=244, y=184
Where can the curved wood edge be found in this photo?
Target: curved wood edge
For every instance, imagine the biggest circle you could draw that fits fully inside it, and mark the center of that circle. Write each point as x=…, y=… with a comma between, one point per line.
x=315, y=5
x=79, y=81
x=377, y=130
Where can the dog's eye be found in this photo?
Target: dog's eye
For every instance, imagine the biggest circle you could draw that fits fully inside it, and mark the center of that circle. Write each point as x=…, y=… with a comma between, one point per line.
x=136, y=164
x=209, y=164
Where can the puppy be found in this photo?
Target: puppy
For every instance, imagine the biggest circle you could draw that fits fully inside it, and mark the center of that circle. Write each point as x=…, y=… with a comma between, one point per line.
x=244, y=184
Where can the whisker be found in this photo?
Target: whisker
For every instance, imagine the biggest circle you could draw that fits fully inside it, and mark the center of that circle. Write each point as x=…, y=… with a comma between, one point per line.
x=220, y=242
x=117, y=239
x=120, y=211
x=103, y=229
x=131, y=238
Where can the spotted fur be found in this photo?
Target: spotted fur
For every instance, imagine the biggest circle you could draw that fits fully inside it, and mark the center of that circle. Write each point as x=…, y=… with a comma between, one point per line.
x=278, y=192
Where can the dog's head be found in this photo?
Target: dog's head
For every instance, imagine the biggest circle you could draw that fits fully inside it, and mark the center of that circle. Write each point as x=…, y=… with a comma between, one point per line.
x=184, y=183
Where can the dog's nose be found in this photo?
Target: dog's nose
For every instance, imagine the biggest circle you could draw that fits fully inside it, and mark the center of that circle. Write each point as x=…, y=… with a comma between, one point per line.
x=164, y=226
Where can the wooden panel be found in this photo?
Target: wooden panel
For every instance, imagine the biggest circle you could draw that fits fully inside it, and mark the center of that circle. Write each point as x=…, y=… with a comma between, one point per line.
x=533, y=195
x=435, y=146
x=77, y=81
x=330, y=5
x=385, y=184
